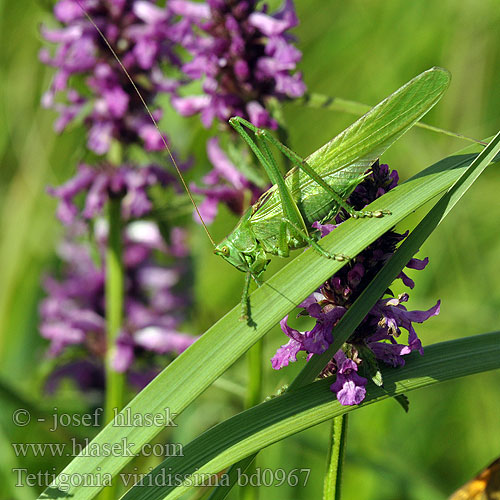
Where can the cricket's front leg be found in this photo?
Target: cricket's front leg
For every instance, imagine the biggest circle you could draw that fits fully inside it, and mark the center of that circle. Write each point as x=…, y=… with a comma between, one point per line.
x=245, y=301
x=245, y=298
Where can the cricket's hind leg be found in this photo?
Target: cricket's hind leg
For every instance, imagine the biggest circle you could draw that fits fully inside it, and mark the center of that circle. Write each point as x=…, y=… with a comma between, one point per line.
x=302, y=164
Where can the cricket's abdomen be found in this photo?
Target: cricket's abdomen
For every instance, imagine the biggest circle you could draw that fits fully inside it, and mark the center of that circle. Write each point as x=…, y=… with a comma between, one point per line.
x=313, y=202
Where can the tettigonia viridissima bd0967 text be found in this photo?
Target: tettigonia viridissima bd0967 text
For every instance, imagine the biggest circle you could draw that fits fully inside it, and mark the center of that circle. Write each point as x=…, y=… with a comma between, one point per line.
x=316, y=188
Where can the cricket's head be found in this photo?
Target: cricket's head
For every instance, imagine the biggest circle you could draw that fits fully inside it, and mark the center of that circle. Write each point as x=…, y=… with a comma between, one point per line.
x=243, y=252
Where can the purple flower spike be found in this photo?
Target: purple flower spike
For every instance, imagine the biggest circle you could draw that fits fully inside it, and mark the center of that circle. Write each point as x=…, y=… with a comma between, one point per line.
x=140, y=32
x=99, y=184
x=73, y=312
x=243, y=55
x=380, y=328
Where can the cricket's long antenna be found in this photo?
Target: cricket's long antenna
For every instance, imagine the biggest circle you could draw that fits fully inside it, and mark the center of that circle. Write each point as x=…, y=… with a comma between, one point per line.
x=146, y=107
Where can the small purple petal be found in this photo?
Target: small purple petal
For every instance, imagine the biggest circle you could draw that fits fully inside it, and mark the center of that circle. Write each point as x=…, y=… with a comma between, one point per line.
x=149, y=13
x=349, y=391
x=188, y=106
x=100, y=135
x=349, y=386
x=291, y=332
x=67, y=11
x=61, y=336
x=286, y=354
x=267, y=24
x=324, y=228
x=96, y=197
x=162, y=341
x=406, y=280
x=259, y=116
x=123, y=354
x=417, y=263
x=193, y=10
x=390, y=353
x=355, y=275
x=223, y=166
x=421, y=316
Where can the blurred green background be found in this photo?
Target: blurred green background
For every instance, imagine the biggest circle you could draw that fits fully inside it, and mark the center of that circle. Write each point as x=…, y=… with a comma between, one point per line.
x=358, y=50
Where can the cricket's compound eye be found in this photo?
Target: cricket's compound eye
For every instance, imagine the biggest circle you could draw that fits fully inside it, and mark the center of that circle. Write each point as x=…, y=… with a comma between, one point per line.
x=225, y=250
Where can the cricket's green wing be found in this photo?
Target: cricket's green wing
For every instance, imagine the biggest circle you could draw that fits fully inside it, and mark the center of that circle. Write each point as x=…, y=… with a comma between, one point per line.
x=343, y=161
x=361, y=144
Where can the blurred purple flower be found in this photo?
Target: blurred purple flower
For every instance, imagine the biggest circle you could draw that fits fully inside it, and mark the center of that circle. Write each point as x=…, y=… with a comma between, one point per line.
x=73, y=313
x=383, y=324
x=139, y=31
x=98, y=184
x=243, y=55
x=224, y=184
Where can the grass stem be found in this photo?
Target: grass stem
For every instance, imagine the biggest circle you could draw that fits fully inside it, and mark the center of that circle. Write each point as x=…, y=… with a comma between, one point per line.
x=335, y=460
x=115, y=381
